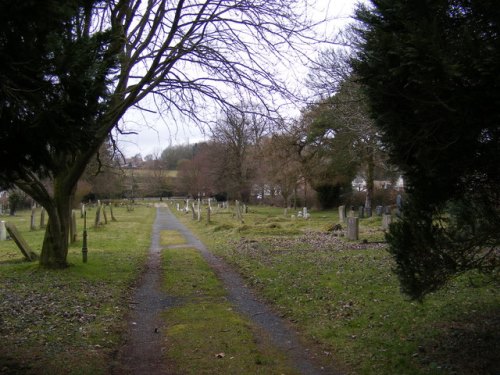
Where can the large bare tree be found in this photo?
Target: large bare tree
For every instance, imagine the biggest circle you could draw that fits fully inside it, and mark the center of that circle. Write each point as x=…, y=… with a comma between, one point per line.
x=105, y=57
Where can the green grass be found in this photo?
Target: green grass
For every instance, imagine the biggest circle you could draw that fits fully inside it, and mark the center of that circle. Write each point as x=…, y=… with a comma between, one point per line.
x=344, y=296
x=171, y=238
x=204, y=335
x=70, y=321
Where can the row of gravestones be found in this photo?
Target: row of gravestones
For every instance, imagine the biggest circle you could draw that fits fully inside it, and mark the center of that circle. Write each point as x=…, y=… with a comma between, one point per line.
x=26, y=250
x=353, y=221
x=194, y=206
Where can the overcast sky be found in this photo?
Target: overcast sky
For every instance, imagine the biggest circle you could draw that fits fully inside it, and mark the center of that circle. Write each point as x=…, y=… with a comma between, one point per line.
x=151, y=140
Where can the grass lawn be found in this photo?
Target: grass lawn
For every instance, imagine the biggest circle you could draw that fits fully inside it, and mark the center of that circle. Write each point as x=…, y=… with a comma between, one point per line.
x=343, y=296
x=70, y=321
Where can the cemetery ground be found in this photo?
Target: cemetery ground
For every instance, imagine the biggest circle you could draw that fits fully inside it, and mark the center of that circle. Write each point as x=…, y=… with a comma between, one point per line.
x=340, y=295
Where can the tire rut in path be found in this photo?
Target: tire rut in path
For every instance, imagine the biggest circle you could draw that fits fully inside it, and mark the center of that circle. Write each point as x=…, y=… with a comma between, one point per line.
x=245, y=302
x=142, y=353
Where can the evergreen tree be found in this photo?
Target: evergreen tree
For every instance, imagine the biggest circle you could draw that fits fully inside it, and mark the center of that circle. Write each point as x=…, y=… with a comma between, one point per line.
x=431, y=73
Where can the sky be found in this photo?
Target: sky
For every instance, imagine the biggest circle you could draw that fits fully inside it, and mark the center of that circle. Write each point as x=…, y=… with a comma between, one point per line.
x=156, y=132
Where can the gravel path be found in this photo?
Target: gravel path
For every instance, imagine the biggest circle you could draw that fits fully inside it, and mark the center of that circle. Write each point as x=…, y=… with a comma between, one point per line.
x=142, y=355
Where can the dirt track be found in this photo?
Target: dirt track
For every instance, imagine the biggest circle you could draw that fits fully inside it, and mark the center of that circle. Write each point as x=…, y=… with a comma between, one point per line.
x=142, y=353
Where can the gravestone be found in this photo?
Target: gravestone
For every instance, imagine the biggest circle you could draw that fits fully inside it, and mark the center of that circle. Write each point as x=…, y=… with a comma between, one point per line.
x=178, y=207
x=387, y=210
x=104, y=214
x=238, y=211
x=352, y=213
x=379, y=210
x=342, y=216
x=32, y=221
x=285, y=212
x=82, y=210
x=42, y=218
x=97, y=220
x=368, y=211
x=20, y=242
x=353, y=228
x=361, y=212
x=113, y=218
x=386, y=221
x=193, y=211
x=305, y=214
x=399, y=205
x=72, y=227
x=3, y=231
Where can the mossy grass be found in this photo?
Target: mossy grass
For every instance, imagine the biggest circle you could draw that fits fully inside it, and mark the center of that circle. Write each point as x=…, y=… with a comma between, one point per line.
x=71, y=320
x=204, y=335
x=171, y=238
x=345, y=297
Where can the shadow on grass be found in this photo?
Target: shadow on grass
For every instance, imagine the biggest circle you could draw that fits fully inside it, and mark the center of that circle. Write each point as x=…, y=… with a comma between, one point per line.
x=468, y=346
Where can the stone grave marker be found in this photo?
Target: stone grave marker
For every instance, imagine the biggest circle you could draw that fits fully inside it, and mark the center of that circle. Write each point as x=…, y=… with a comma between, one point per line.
x=351, y=213
x=104, y=214
x=97, y=220
x=368, y=211
x=72, y=227
x=386, y=221
x=113, y=218
x=32, y=221
x=342, y=216
x=193, y=211
x=353, y=228
x=42, y=218
x=20, y=242
x=361, y=212
x=379, y=210
x=3, y=231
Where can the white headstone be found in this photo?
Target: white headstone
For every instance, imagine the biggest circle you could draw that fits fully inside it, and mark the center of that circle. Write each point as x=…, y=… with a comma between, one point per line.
x=3, y=231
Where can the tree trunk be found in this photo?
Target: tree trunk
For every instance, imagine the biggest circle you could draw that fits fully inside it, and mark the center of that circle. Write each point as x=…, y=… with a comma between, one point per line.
x=55, y=243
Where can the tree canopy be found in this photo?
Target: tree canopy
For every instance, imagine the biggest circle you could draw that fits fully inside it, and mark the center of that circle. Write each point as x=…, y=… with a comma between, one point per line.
x=431, y=74
x=70, y=70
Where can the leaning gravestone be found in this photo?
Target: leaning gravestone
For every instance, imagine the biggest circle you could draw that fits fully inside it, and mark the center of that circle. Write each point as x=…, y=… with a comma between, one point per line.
x=97, y=220
x=104, y=214
x=113, y=218
x=20, y=242
x=3, y=231
x=353, y=228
